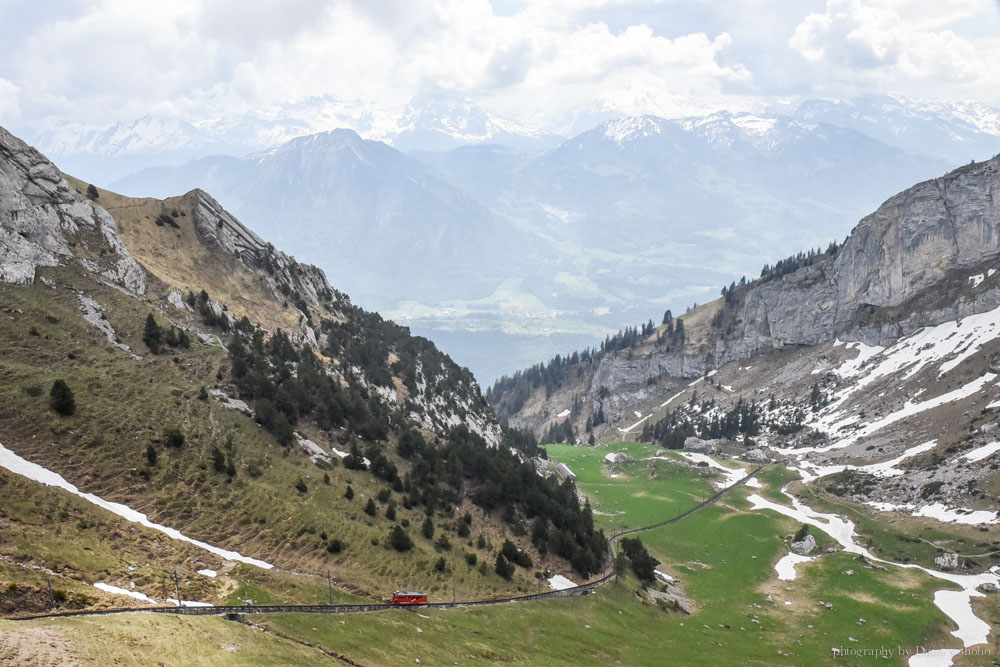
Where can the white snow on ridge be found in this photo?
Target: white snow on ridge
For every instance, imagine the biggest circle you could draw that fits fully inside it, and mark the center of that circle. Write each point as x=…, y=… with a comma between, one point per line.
x=37, y=473
x=786, y=566
x=981, y=453
x=560, y=583
x=564, y=413
x=909, y=409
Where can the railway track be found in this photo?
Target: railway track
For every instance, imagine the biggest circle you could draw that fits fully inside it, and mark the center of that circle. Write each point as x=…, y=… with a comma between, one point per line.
x=233, y=611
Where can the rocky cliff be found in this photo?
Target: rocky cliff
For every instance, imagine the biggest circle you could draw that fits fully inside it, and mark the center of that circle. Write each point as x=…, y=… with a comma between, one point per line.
x=44, y=222
x=907, y=265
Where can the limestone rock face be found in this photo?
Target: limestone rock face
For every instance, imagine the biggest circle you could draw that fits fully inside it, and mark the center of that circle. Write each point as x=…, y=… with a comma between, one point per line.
x=896, y=258
x=44, y=222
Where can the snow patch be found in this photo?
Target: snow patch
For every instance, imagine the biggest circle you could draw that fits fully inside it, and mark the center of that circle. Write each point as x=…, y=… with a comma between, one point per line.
x=560, y=583
x=981, y=453
x=211, y=574
x=115, y=590
x=786, y=566
x=564, y=413
x=37, y=473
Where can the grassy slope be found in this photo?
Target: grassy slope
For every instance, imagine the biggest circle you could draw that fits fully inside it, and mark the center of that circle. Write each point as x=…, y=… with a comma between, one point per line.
x=124, y=405
x=896, y=604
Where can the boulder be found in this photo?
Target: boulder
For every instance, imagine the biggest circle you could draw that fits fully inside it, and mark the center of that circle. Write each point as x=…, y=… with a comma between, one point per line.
x=693, y=444
x=805, y=546
x=757, y=456
x=947, y=561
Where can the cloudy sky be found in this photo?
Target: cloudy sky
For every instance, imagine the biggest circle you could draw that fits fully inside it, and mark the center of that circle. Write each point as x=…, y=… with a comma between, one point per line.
x=110, y=60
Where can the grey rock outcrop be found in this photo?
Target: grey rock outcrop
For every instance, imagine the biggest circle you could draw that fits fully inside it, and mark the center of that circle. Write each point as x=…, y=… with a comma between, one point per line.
x=947, y=561
x=805, y=546
x=757, y=456
x=693, y=444
x=44, y=222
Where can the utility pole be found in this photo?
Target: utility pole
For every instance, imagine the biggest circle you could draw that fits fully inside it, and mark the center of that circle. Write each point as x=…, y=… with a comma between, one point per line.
x=329, y=585
x=177, y=587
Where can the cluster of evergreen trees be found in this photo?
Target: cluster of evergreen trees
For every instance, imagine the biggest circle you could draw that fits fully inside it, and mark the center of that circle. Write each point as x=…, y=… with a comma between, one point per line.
x=153, y=335
x=463, y=466
x=745, y=419
x=795, y=262
x=285, y=385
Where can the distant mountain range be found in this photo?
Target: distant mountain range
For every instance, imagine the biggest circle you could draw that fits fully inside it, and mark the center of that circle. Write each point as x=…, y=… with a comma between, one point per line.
x=525, y=250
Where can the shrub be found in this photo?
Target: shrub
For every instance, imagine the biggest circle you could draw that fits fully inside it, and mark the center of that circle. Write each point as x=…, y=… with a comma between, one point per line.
x=151, y=455
x=399, y=540
x=383, y=495
x=463, y=529
x=218, y=460
x=326, y=478
x=443, y=543
x=390, y=511
x=471, y=558
x=370, y=508
x=92, y=193
x=481, y=542
x=173, y=437
x=61, y=398
x=335, y=546
x=427, y=529
x=441, y=565
x=202, y=394
x=801, y=535
x=349, y=494
x=301, y=485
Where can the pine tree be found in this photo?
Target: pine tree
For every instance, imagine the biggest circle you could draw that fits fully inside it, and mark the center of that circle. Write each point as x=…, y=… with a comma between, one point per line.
x=399, y=540
x=349, y=494
x=61, y=398
x=370, y=508
x=503, y=567
x=151, y=334
x=151, y=455
x=427, y=529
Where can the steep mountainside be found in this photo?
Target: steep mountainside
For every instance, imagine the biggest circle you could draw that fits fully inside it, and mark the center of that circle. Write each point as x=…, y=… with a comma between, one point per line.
x=160, y=357
x=915, y=294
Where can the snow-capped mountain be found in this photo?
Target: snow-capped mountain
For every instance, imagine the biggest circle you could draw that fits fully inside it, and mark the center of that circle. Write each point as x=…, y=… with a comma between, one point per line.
x=956, y=131
x=441, y=124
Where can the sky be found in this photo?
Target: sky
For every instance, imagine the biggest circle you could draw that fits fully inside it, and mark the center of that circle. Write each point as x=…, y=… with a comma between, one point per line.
x=116, y=60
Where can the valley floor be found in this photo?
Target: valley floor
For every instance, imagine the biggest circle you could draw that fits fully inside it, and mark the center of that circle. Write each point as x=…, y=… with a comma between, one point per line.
x=723, y=560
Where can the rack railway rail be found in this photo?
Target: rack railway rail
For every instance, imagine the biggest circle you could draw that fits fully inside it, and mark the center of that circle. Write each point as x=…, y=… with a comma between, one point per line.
x=234, y=611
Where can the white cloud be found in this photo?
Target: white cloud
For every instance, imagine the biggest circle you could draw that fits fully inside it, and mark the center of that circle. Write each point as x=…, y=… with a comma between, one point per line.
x=120, y=59
x=896, y=45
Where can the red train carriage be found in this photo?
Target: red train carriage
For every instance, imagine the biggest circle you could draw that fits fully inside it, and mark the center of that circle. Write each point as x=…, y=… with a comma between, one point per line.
x=409, y=597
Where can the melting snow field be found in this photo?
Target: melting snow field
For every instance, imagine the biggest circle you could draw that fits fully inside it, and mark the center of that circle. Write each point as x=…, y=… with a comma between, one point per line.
x=786, y=566
x=37, y=473
x=211, y=574
x=957, y=605
x=732, y=475
x=560, y=583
